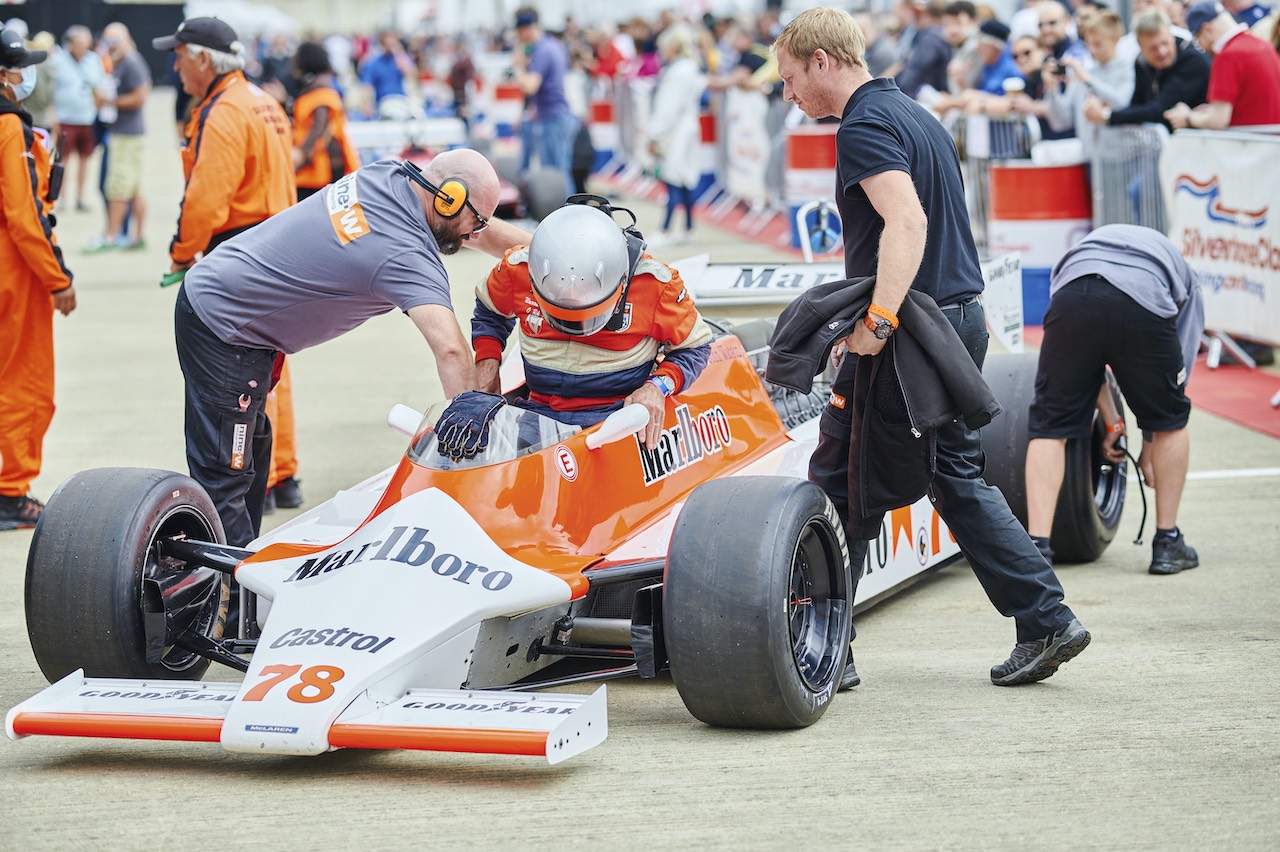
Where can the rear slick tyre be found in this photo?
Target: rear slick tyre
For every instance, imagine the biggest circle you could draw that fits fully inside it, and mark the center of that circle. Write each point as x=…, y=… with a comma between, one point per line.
x=1093, y=489
x=756, y=602
x=95, y=580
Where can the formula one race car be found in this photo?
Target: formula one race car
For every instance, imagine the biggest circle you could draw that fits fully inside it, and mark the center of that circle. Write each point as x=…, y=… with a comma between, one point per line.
x=423, y=608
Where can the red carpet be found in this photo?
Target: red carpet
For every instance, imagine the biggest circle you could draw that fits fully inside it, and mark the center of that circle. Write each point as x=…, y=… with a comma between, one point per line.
x=1237, y=394
x=1232, y=392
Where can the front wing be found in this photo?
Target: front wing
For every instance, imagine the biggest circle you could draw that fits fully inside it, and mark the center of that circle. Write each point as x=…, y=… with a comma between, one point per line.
x=554, y=725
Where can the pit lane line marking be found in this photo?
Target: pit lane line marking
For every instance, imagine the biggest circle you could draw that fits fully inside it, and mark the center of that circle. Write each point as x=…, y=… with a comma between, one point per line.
x=1243, y=473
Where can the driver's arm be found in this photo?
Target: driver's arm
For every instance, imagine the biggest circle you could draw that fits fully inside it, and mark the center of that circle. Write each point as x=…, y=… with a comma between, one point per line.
x=494, y=320
x=453, y=359
x=677, y=323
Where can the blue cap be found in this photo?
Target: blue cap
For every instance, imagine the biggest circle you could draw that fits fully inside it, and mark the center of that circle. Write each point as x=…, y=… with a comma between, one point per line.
x=526, y=18
x=1201, y=14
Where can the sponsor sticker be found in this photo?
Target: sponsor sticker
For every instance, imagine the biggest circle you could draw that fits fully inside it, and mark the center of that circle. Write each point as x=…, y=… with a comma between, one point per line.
x=271, y=729
x=238, y=440
x=689, y=441
x=566, y=464
x=345, y=213
x=837, y=401
x=409, y=546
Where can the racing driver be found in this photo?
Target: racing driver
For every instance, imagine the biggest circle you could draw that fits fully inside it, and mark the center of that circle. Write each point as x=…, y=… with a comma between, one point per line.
x=603, y=325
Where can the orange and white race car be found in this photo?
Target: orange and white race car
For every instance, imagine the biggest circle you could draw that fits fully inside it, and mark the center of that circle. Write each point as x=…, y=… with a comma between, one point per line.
x=432, y=606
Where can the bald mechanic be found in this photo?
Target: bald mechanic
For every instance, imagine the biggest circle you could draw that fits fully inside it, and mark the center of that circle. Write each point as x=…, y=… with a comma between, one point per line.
x=369, y=243
x=238, y=156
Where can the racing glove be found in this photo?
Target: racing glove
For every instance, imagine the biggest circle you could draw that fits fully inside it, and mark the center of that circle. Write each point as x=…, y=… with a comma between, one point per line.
x=463, y=429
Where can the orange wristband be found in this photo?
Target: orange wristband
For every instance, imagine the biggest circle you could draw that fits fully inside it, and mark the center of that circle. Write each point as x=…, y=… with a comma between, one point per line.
x=1118, y=426
x=884, y=314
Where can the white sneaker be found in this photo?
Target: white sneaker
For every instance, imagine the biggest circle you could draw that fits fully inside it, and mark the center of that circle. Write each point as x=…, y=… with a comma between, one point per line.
x=658, y=240
x=686, y=238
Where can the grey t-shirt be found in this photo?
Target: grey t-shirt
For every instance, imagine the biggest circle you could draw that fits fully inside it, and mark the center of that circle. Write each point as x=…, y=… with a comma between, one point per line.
x=1145, y=265
x=357, y=249
x=130, y=73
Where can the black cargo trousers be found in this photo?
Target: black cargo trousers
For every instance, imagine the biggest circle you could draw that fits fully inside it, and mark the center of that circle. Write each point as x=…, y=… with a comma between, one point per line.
x=227, y=432
x=1016, y=578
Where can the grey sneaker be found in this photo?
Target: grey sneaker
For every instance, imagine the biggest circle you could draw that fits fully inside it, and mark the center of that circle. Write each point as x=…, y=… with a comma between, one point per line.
x=1171, y=555
x=1039, y=659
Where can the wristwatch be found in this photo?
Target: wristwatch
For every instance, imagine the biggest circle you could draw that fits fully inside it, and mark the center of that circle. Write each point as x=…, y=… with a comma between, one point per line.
x=666, y=384
x=881, y=328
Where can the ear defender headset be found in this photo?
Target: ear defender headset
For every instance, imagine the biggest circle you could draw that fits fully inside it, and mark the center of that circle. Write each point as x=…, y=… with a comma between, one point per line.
x=451, y=196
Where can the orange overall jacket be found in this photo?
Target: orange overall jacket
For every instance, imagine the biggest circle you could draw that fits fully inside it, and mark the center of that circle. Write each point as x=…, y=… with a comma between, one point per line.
x=31, y=268
x=330, y=154
x=238, y=162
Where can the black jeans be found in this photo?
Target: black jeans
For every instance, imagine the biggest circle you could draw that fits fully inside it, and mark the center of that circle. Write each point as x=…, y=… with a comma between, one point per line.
x=1016, y=578
x=227, y=432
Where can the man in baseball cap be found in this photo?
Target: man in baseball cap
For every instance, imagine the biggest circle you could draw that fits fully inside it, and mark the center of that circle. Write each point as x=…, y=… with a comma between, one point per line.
x=205, y=32
x=14, y=53
x=1201, y=14
x=1244, y=80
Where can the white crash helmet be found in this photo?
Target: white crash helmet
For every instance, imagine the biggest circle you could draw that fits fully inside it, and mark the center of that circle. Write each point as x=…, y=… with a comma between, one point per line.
x=578, y=265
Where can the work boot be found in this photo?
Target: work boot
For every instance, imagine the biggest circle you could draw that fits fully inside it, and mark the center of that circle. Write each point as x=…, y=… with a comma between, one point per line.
x=1171, y=554
x=1040, y=658
x=19, y=513
x=288, y=493
x=849, y=677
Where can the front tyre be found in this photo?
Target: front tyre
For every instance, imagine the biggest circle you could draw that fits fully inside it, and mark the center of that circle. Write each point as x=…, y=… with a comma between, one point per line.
x=756, y=602
x=99, y=595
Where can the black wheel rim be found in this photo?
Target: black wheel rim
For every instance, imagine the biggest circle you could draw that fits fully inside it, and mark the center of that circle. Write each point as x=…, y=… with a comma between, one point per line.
x=1110, y=480
x=817, y=609
x=192, y=598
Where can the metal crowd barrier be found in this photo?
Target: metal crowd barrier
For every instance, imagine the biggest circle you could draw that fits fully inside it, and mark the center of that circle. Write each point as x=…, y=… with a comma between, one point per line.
x=1125, y=176
x=981, y=139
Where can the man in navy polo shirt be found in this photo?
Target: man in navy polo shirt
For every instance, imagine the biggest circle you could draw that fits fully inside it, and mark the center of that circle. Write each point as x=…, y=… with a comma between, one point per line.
x=903, y=212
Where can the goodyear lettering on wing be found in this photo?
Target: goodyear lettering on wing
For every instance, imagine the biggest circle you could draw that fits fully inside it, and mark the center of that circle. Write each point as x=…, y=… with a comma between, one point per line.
x=345, y=213
x=152, y=695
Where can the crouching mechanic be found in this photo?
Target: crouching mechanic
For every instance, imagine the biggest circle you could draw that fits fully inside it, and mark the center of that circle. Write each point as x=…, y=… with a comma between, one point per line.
x=602, y=326
x=1122, y=296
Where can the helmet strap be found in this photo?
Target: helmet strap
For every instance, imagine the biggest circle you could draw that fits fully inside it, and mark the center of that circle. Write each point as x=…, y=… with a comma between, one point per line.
x=635, y=248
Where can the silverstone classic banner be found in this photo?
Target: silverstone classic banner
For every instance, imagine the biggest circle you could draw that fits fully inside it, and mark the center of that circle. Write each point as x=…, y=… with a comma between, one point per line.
x=1222, y=191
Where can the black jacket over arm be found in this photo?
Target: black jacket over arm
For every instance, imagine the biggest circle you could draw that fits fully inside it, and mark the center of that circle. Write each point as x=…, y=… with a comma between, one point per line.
x=922, y=379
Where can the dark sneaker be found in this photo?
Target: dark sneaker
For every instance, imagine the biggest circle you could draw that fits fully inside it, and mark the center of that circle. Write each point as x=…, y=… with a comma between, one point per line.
x=849, y=677
x=1039, y=659
x=269, y=503
x=19, y=513
x=288, y=493
x=1171, y=555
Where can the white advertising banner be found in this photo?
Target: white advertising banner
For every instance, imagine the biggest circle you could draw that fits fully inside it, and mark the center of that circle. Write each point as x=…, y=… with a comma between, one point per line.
x=1219, y=189
x=748, y=144
x=1002, y=300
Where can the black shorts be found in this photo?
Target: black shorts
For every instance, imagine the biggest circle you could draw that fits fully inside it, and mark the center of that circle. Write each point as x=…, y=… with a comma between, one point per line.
x=1089, y=325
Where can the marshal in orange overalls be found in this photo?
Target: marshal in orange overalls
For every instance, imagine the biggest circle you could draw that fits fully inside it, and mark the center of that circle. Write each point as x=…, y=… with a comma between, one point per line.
x=31, y=270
